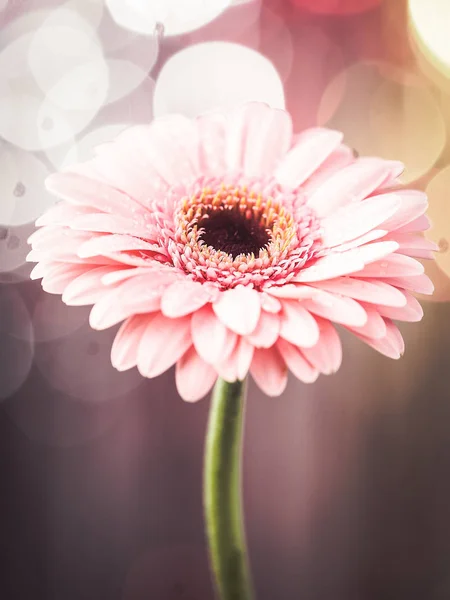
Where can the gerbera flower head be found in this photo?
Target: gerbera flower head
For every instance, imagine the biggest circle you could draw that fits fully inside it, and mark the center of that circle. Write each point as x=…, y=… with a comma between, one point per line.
x=225, y=244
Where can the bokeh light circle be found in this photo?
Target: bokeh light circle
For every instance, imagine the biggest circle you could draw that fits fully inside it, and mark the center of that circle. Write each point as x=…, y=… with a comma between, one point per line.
x=394, y=119
x=28, y=118
x=14, y=246
x=66, y=60
x=22, y=189
x=205, y=76
x=337, y=7
x=16, y=341
x=438, y=191
x=52, y=319
x=79, y=364
x=430, y=23
x=176, y=17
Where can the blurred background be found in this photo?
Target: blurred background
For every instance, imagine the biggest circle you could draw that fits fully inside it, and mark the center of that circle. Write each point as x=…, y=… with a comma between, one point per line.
x=347, y=487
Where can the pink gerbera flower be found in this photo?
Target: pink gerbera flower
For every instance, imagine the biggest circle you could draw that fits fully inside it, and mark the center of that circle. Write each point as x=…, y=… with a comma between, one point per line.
x=226, y=245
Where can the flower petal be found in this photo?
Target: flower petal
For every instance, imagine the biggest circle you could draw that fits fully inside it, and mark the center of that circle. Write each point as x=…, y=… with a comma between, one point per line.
x=193, y=376
x=210, y=336
x=350, y=222
x=87, y=192
x=311, y=149
x=239, y=309
x=269, y=371
x=108, y=244
x=126, y=343
x=87, y=288
x=257, y=137
x=244, y=356
x=266, y=332
x=296, y=362
x=163, y=343
x=394, y=265
x=352, y=184
x=391, y=345
x=412, y=312
x=420, y=284
x=326, y=355
x=337, y=308
x=298, y=326
x=413, y=204
x=183, y=297
x=374, y=292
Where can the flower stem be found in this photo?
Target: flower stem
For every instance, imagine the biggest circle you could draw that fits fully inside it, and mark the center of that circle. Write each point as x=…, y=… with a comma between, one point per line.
x=222, y=492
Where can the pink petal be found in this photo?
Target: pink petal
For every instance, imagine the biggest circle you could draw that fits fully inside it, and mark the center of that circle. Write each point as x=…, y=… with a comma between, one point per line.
x=62, y=213
x=125, y=165
x=326, y=355
x=291, y=291
x=193, y=376
x=298, y=326
x=391, y=345
x=172, y=149
x=337, y=308
x=163, y=343
x=227, y=366
x=338, y=159
x=371, y=236
x=133, y=296
x=107, y=244
x=312, y=148
x=270, y=304
x=422, y=223
x=212, y=134
x=59, y=276
x=87, y=288
x=412, y=312
x=414, y=244
x=39, y=270
x=296, y=362
x=394, y=265
x=374, y=292
x=210, y=336
x=412, y=205
x=374, y=327
x=352, y=184
x=257, y=138
x=420, y=284
x=183, y=297
x=345, y=263
x=269, y=371
x=355, y=220
x=239, y=309
x=244, y=356
x=105, y=223
x=329, y=267
x=267, y=330
x=126, y=343
x=87, y=192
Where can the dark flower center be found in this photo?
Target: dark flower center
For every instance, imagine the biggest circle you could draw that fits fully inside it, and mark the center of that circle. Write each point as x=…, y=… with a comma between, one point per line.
x=232, y=232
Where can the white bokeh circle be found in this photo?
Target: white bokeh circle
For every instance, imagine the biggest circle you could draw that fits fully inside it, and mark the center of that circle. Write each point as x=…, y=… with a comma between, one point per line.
x=52, y=319
x=215, y=74
x=28, y=118
x=79, y=364
x=14, y=247
x=23, y=194
x=177, y=17
x=16, y=341
x=65, y=58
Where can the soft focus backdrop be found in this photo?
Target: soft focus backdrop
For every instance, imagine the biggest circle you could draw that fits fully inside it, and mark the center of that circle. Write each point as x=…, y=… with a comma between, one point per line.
x=347, y=487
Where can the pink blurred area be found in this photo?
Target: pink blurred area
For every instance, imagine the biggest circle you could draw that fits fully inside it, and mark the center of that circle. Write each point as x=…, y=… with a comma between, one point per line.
x=346, y=481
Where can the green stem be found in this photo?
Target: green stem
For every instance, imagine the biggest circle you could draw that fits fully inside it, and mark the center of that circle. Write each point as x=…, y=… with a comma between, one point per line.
x=222, y=492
